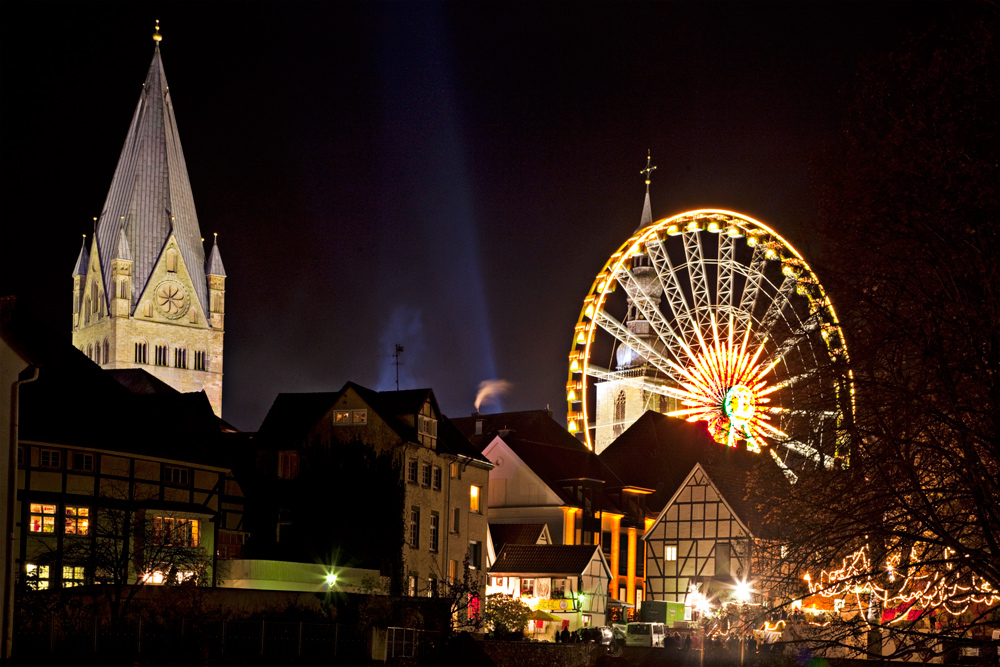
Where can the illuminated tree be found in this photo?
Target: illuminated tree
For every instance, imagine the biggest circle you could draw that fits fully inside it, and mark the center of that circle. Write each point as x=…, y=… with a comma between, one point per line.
x=504, y=614
x=913, y=231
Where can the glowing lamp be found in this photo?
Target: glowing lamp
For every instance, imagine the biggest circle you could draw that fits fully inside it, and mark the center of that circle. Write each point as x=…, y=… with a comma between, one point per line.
x=331, y=580
x=572, y=427
x=770, y=253
x=734, y=231
x=695, y=226
x=673, y=230
x=752, y=241
x=714, y=227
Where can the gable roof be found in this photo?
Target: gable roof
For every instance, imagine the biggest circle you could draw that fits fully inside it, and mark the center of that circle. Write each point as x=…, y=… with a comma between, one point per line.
x=148, y=419
x=698, y=468
x=544, y=559
x=657, y=452
x=503, y=534
x=151, y=194
x=293, y=416
x=532, y=425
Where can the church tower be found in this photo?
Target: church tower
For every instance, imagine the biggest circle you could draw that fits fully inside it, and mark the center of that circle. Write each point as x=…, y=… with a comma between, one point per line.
x=144, y=295
x=620, y=402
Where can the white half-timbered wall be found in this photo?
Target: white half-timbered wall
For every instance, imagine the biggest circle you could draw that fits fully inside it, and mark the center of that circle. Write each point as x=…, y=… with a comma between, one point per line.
x=696, y=539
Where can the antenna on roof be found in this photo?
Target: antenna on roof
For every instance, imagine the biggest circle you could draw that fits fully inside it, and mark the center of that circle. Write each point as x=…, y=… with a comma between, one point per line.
x=396, y=362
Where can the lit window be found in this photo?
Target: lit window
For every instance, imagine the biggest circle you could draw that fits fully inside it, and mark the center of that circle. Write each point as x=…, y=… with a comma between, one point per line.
x=527, y=588
x=473, y=606
x=432, y=587
x=50, y=458
x=42, y=518
x=425, y=475
x=77, y=520
x=456, y=471
x=452, y=572
x=435, y=525
x=414, y=527
x=436, y=484
x=411, y=471
x=359, y=417
x=412, y=588
x=173, y=532
x=558, y=588
x=72, y=575
x=83, y=461
x=474, y=499
x=670, y=552
x=38, y=576
x=342, y=418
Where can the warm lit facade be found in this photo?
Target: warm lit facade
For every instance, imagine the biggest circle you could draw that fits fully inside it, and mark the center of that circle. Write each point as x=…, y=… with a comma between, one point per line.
x=697, y=541
x=157, y=486
x=144, y=293
x=568, y=582
x=544, y=475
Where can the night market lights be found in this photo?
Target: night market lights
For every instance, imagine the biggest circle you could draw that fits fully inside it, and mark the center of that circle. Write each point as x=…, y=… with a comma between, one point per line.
x=930, y=588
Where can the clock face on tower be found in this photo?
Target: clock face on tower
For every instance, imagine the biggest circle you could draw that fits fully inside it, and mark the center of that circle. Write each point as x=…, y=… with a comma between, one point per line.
x=172, y=299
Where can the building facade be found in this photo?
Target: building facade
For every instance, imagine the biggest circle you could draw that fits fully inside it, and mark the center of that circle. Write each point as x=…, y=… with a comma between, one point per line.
x=144, y=293
x=424, y=522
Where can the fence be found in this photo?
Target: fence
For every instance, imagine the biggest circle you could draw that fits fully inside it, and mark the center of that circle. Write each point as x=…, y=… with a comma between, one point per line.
x=327, y=642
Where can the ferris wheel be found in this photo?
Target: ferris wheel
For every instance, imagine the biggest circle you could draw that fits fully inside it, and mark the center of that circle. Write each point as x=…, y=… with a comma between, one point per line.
x=711, y=316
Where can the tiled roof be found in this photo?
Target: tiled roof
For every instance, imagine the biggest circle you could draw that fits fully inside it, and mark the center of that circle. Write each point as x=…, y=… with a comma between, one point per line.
x=535, y=425
x=151, y=194
x=658, y=452
x=62, y=405
x=543, y=559
x=293, y=416
x=514, y=533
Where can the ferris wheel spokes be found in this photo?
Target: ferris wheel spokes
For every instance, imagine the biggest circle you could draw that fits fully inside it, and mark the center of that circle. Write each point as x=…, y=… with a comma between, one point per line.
x=626, y=336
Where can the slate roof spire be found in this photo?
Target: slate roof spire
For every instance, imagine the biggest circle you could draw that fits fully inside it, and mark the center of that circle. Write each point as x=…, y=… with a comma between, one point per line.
x=214, y=266
x=647, y=215
x=150, y=191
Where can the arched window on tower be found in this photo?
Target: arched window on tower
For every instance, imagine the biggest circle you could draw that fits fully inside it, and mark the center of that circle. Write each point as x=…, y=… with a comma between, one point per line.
x=107, y=350
x=140, y=352
x=619, y=420
x=160, y=355
x=90, y=352
x=171, y=260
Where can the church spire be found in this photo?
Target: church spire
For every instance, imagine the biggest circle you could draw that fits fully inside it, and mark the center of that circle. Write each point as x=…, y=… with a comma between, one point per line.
x=647, y=215
x=150, y=195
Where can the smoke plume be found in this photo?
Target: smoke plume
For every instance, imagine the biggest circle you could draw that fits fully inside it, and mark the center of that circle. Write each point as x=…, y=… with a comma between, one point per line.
x=490, y=390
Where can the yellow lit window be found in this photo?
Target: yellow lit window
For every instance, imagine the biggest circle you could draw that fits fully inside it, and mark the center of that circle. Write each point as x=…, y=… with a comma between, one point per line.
x=43, y=518
x=38, y=576
x=173, y=532
x=474, y=499
x=72, y=576
x=670, y=552
x=77, y=520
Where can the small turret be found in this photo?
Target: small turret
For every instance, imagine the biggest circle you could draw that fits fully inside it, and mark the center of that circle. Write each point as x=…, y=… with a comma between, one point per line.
x=79, y=281
x=121, y=277
x=215, y=273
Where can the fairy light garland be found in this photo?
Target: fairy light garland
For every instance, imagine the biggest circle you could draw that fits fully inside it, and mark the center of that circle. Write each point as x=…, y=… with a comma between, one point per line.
x=929, y=590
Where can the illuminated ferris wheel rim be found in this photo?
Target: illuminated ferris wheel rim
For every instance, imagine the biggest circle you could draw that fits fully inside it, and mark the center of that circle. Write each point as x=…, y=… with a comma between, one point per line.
x=695, y=222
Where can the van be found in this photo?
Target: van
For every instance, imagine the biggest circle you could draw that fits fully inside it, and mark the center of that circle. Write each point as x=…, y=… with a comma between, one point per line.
x=645, y=634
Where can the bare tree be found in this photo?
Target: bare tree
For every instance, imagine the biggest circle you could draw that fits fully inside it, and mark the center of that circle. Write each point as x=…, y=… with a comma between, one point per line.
x=908, y=535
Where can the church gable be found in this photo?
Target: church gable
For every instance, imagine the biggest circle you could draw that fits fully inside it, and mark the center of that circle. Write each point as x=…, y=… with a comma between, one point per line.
x=170, y=294
x=93, y=305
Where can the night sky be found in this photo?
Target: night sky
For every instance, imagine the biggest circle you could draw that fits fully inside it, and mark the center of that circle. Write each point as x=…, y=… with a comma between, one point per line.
x=448, y=177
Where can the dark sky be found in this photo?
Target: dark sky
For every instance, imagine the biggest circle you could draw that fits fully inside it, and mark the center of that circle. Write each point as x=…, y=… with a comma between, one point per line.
x=449, y=177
